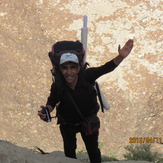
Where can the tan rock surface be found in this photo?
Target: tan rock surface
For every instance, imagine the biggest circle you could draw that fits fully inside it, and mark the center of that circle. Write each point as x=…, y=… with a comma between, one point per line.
x=134, y=89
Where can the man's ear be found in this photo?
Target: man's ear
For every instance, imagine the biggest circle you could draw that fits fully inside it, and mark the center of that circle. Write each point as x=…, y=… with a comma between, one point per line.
x=60, y=68
x=79, y=68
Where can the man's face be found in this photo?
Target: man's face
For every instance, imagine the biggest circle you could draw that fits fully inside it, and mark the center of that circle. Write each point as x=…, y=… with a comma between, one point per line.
x=70, y=72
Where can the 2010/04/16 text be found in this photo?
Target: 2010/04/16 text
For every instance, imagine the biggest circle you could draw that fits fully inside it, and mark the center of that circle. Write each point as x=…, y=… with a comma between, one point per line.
x=145, y=140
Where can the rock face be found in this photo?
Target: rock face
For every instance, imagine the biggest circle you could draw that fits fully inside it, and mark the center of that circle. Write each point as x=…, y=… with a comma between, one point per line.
x=134, y=89
x=10, y=153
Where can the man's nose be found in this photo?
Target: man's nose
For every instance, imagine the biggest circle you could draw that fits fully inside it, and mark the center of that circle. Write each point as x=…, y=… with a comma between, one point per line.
x=68, y=71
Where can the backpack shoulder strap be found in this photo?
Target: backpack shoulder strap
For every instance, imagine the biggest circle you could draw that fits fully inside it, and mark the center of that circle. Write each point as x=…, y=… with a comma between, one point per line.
x=99, y=96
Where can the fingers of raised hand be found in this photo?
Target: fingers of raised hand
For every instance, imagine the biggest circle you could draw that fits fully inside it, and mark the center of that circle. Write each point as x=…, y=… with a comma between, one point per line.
x=130, y=43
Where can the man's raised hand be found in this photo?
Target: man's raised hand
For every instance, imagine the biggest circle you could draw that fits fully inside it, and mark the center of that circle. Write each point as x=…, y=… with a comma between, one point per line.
x=126, y=49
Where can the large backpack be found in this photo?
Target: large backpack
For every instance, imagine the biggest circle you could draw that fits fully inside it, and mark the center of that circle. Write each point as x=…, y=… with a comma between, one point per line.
x=61, y=47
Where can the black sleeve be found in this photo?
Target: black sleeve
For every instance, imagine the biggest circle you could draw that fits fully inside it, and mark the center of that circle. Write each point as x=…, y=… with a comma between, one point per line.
x=53, y=98
x=94, y=73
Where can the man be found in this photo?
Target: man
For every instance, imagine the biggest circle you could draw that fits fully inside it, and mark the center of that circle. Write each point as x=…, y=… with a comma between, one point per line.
x=78, y=85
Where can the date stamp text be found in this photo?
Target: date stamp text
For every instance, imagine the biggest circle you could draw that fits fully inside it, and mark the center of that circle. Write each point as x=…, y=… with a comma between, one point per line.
x=145, y=140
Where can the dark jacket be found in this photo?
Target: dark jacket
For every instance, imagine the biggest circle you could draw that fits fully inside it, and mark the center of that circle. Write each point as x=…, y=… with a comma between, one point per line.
x=84, y=95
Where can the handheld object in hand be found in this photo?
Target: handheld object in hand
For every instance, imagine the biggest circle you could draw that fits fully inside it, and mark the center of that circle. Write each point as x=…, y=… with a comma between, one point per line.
x=45, y=110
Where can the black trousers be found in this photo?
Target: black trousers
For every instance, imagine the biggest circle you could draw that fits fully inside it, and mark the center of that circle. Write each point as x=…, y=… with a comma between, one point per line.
x=69, y=132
